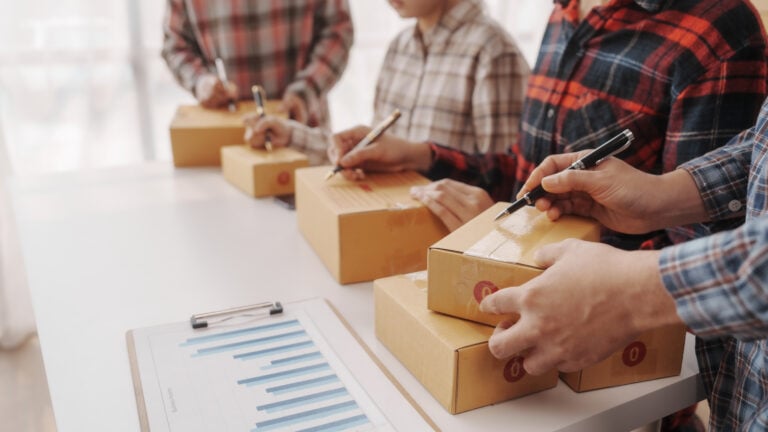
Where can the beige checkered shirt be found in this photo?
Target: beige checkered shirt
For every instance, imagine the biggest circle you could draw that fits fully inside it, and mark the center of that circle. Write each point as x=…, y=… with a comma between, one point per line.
x=461, y=84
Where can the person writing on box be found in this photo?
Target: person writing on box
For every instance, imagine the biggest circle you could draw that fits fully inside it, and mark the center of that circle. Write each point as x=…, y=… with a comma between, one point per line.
x=295, y=50
x=455, y=75
x=684, y=76
x=716, y=285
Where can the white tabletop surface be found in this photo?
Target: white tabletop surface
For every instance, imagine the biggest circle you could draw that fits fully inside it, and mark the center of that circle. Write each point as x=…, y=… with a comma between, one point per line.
x=111, y=250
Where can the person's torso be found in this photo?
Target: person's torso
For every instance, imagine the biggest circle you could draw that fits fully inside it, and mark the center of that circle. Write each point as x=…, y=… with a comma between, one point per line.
x=624, y=67
x=261, y=42
x=434, y=86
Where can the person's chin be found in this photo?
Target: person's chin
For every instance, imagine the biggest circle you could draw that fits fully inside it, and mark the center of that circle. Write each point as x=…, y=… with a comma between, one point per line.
x=400, y=8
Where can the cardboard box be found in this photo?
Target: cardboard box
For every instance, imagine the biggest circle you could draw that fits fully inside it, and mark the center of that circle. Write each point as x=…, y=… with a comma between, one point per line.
x=261, y=173
x=655, y=354
x=198, y=134
x=368, y=229
x=483, y=256
x=449, y=356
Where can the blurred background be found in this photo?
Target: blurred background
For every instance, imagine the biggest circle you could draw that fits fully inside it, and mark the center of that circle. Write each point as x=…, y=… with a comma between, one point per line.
x=82, y=83
x=83, y=86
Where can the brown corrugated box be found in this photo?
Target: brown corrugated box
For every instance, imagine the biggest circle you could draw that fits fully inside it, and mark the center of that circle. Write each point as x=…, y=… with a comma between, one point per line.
x=449, y=356
x=483, y=256
x=261, y=173
x=198, y=134
x=655, y=354
x=367, y=229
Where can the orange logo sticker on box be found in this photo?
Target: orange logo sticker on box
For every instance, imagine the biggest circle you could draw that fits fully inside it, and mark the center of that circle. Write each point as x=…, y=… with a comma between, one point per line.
x=513, y=370
x=483, y=289
x=283, y=178
x=634, y=354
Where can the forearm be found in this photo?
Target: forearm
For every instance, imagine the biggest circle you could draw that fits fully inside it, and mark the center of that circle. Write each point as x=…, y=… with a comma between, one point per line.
x=654, y=305
x=180, y=50
x=675, y=200
x=312, y=141
x=719, y=282
x=494, y=172
x=329, y=54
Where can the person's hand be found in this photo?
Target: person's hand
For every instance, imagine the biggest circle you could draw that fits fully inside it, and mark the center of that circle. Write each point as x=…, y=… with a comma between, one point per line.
x=296, y=108
x=590, y=301
x=616, y=194
x=387, y=154
x=256, y=129
x=455, y=203
x=212, y=93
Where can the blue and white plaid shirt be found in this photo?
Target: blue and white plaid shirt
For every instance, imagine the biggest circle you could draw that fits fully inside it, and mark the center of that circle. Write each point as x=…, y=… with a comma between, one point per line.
x=720, y=282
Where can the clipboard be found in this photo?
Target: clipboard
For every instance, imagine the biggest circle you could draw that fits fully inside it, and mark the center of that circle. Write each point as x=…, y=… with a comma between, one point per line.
x=256, y=369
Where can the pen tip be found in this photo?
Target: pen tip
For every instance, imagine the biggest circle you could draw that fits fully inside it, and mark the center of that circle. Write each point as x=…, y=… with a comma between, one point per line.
x=500, y=215
x=329, y=175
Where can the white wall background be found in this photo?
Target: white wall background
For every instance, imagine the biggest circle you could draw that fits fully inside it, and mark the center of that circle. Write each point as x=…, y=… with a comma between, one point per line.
x=82, y=83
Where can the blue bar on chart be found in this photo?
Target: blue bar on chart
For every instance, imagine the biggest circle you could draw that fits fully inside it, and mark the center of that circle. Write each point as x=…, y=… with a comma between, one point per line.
x=250, y=343
x=303, y=400
x=276, y=350
x=338, y=425
x=304, y=416
x=301, y=358
x=291, y=373
x=303, y=385
x=241, y=332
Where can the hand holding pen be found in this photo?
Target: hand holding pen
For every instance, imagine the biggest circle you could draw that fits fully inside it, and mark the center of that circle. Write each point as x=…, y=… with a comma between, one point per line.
x=369, y=138
x=222, y=74
x=259, y=96
x=612, y=147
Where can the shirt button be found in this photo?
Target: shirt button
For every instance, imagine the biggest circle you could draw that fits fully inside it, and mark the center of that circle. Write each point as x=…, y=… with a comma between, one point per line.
x=550, y=113
x=734, y=206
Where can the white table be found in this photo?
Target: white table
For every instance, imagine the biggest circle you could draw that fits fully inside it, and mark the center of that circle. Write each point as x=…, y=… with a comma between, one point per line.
x=128, y=247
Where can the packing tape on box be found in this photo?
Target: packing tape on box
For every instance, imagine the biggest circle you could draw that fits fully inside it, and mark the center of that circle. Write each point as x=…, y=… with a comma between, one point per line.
x=504, y=242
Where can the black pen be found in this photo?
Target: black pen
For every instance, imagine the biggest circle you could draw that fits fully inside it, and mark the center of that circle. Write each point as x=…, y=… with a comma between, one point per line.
x=372, y=136
x=614, y=146
x=222, y=72
x=259, y=97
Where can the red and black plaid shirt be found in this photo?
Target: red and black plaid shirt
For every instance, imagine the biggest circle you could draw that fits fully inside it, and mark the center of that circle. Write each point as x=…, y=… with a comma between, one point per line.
x=684, y=76
x=287, y=46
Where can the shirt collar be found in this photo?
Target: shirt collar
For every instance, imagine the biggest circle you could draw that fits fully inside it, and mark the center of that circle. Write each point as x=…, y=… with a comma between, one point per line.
x=649, y=5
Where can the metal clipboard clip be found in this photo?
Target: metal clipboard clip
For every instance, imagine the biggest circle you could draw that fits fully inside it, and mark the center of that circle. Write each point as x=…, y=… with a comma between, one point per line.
x=264, y=309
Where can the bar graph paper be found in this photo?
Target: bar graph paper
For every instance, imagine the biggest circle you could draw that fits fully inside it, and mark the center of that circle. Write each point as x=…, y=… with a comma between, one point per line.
x=280, y=373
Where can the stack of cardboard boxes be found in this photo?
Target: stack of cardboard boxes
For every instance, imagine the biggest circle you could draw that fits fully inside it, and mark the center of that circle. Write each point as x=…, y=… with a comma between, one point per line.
x=432, y=322
x=213, y=137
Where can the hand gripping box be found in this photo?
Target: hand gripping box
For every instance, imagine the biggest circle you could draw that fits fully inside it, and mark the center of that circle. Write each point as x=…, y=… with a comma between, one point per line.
x=198, y=134
x=259, y=172
x=484, y=255
x=449, y=356
x=366, y=229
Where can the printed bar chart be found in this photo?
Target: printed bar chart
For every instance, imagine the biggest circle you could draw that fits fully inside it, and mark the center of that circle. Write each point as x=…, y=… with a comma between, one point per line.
x=302, y=370
x=284, y=369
